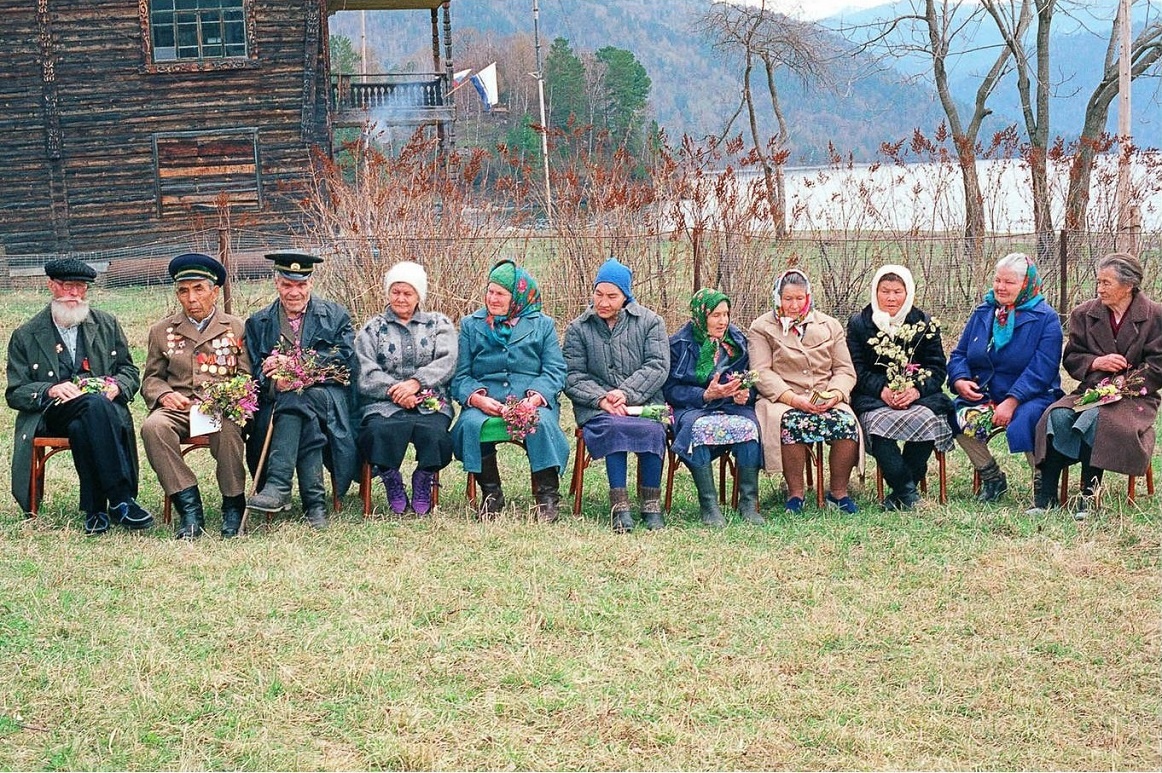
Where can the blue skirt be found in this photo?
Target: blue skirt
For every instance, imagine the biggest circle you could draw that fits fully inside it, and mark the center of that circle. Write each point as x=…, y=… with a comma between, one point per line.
x=606, y=434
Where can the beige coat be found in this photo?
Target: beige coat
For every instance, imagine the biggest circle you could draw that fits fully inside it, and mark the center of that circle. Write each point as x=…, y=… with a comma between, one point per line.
x=819, y=362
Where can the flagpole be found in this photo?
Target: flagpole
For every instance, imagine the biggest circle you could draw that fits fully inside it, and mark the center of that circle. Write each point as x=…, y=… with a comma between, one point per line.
x=1126, y=218
x=544, y=123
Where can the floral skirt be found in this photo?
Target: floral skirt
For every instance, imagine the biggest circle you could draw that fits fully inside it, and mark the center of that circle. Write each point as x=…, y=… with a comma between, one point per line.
x=802, y=427
x=722, y=429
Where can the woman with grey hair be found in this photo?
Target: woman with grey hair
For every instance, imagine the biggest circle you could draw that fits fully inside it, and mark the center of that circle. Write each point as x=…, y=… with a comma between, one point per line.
x=406, y=361
x=1006, y=362
x=1115, y=339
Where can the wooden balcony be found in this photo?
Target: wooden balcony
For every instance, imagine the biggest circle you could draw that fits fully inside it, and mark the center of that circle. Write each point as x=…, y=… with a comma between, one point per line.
x=396, y=99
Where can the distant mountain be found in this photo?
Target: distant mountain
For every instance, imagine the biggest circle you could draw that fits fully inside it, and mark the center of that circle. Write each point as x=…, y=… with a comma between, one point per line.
x=695, y=89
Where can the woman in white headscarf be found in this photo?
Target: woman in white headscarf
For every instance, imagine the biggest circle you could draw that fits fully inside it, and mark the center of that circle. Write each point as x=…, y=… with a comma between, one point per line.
x=899, y=390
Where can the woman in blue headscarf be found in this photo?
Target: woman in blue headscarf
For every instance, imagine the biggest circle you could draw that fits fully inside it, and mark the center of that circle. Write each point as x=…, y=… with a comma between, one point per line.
x=1007, y=359
x=509, y=349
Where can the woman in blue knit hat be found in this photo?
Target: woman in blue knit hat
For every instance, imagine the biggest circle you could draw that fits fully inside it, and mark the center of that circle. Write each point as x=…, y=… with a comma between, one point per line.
x=618, y=356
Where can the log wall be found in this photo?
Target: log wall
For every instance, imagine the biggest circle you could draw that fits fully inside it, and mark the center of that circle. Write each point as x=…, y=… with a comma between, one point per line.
x=82, y=106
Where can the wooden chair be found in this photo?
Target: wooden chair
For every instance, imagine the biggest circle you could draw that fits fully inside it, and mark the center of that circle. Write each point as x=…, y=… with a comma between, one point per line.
x=581, y=462
x=1064, y=492
x=941, y=464
x=470, y=487
x=725, y=463
x=203, y=441
x=43, y=449
x=1131, y=485
x=365, y=480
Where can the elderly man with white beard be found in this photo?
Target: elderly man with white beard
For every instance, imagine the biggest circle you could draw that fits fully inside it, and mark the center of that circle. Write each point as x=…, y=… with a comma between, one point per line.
x=70, y=374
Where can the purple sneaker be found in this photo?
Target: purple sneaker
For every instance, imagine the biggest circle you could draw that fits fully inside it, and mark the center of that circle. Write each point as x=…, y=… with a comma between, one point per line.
x=397, y=496
x=422, y=491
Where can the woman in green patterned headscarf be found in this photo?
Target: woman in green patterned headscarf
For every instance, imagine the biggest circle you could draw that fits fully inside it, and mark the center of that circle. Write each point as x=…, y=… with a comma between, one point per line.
x=709, y=390
x=509, y=351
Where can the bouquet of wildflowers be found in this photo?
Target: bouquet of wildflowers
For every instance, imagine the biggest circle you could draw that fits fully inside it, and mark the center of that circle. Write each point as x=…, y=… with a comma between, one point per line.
x=661, y=413
x=429, y=401
x=977, y=420
x=747, y=378
x=304, y=368
x=520, y=418
x=1113, y=388
x=234, y=399
x=95, y=385
x=896, y=352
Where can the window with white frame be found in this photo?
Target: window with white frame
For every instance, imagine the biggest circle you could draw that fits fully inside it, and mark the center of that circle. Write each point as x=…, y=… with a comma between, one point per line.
x=192, y=30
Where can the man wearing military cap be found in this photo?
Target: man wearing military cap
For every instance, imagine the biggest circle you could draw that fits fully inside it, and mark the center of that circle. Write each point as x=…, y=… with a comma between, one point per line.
x=195, y=346
x=309, y=422
x=70, y=374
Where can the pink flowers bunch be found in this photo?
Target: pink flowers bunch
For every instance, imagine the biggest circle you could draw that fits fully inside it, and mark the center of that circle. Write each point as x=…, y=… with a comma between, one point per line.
x=1114, y=388
x=429, y=401
x=303, y=368
x=520, y=418
x=234, y=399
x=95, y=385
x=747, y=378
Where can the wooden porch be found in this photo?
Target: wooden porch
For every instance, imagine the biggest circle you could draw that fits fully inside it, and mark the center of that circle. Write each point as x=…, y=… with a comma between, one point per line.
x=399, y=99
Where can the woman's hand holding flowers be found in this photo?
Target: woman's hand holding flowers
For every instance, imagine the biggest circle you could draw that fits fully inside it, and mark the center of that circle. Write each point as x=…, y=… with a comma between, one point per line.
x=1110, y=363
x=405, y=393
x=716, y=390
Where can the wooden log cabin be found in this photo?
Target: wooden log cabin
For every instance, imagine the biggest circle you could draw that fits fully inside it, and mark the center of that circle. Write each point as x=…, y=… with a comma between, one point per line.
x=124, y=121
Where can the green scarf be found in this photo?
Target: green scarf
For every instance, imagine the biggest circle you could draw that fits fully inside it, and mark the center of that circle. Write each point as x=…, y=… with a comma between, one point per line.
x=701, y=305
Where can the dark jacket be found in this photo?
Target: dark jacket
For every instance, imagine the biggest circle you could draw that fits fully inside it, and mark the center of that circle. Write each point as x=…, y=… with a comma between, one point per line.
x=326, y=329
x=871, y=376
x=683, y=390
x=1125, y=436
x=1026, y=369
x=633, y=356
x=32, y=370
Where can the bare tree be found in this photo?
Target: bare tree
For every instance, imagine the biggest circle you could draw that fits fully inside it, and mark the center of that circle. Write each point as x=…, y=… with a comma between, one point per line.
x=941, y=31
x=774, y=42
x=1145, y=51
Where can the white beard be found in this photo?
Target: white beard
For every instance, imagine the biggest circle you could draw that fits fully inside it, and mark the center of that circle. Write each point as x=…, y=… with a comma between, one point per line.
x=69, y=317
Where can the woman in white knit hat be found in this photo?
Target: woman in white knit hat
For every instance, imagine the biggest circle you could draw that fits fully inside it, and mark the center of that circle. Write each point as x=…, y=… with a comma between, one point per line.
x=406, y=360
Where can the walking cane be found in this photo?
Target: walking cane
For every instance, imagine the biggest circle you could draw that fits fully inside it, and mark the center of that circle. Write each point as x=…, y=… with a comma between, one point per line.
x=258, y=470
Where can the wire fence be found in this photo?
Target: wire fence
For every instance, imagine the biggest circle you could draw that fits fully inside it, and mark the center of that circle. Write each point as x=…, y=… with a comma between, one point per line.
x=951, y=277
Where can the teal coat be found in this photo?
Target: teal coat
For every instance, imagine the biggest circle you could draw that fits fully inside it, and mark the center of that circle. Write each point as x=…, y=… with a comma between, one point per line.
x=32, y=362
x=531, y=361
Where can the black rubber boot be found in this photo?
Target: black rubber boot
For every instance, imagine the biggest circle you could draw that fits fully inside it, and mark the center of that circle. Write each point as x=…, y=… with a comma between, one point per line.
x=707, y=496
x=748, y=495
x=491, y=494
x=619, y=511
x=232, y=508
x=312, y=490
x=546, y=492
x=651, y=499
x=191, y=516
x=993, y=484
x=282, y=456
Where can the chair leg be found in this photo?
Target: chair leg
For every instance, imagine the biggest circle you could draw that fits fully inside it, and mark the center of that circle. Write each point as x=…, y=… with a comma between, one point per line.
x=817, y=452
x=1063, y=491
x=36, y=481
x=722, y=479
x=577, y=482
x=942, y=467
x=365, y=488
x=672, y=467
x=470, y=489
x=436, y=489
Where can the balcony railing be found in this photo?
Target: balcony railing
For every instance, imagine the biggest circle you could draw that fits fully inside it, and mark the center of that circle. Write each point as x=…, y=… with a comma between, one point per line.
x=391, y=98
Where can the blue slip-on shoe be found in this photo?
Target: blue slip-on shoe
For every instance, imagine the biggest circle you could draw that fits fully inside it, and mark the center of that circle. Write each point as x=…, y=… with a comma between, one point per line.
x=794, y=505
x=846, y=504
x=132, y=515
x=96, y=523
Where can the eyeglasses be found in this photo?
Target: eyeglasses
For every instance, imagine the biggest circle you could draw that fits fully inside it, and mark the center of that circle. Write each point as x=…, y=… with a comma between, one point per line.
x=74, y=288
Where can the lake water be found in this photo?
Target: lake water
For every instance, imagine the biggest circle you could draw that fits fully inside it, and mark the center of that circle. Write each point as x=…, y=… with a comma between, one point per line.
x=929, y=197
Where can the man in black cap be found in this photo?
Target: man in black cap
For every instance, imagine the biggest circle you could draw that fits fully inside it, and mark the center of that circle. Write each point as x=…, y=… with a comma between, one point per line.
x=70, y=374
x=306, y=419
x=196, y=346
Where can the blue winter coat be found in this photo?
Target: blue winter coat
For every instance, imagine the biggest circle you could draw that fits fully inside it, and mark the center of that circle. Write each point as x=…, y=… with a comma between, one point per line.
x=1026, y=369
x=531, y=361
x=683, y=390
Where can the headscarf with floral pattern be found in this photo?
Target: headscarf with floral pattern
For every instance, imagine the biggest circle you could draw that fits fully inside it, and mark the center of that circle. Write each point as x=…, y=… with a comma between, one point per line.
x=526, y=298
x=702, y=304
x=797, y=323
x=1005, y=317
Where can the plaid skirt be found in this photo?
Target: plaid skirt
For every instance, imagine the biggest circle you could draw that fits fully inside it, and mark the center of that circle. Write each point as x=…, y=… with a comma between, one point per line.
x=915, y=424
